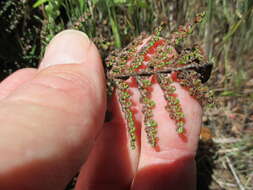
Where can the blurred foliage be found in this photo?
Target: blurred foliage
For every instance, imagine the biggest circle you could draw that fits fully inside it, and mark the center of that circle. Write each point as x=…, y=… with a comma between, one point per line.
x=19, y=36
x=226, y=35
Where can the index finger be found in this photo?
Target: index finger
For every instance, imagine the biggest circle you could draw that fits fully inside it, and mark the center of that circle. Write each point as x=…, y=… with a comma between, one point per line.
x=173, y=166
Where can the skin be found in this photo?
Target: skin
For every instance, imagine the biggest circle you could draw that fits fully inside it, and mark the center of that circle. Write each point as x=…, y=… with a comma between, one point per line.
x=52, y=124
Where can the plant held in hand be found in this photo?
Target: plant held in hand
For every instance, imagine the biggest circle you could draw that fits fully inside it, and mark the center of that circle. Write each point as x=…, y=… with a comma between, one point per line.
x=151, y=59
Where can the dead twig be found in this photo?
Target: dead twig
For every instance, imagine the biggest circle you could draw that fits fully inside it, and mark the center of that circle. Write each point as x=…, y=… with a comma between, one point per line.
x=231, y=167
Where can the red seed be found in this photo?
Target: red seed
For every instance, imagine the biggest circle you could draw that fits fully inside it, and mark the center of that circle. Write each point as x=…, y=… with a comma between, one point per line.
x=174, y=77
x=151, y=50
x=153, y=79
x=158, y=43
x=174, y=95
x=142, y=66
x=132, y=83
x=146, y=57
x=182, y=119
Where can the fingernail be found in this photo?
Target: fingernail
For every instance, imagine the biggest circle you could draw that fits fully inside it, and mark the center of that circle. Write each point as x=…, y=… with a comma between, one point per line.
x=67, y=47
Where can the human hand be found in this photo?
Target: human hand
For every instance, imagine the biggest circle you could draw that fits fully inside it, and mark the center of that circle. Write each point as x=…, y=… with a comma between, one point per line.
x=52, y=117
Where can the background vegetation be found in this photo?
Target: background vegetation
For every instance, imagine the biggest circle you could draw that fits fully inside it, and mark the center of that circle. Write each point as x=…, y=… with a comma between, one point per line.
x=224, y=161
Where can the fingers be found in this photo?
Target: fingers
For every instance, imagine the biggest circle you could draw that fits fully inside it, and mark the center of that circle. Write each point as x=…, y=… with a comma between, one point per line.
x=112, y=163
x=49, y=123
x=15, y=80
x=172, y=167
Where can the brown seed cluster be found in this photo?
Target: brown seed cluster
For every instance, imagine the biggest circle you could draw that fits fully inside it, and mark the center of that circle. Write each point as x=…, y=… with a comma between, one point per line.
x=173, y=104
x=144, y=85
x=126, y=103
x=190, y=80
x=156, y=56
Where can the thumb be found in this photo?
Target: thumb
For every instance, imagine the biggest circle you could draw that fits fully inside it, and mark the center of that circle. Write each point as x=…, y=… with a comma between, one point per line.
x=49, y=122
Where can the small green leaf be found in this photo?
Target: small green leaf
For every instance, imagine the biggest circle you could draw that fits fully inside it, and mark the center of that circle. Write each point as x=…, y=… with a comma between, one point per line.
x=142, y=4
x=39, y=3
x=95, y=1
x=180, y=130
x=119, y=1
x=228, y=93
